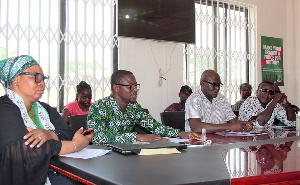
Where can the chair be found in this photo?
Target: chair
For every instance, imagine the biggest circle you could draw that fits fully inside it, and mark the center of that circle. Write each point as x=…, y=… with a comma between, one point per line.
x=236, y=113
x=140, y=130
x=78, y=121
x=175, y=119
x=146, y=110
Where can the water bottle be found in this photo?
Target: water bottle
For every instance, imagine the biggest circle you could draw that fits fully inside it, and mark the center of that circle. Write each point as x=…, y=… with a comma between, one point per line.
x=203, y=136
x=297, y=123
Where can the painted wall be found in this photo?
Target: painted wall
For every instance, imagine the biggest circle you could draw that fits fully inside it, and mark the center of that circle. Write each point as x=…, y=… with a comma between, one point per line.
x=281, y=19
x=275, y=18
x=145, y=58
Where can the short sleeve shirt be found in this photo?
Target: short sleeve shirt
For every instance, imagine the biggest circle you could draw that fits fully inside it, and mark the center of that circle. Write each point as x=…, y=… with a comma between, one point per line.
x=175, y=107
x=216, y=112
x=74, y=108
x=252, y=107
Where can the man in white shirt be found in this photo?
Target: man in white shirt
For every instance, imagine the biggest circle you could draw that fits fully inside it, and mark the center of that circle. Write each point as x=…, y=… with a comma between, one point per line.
x=266, y=106
x=208, y=109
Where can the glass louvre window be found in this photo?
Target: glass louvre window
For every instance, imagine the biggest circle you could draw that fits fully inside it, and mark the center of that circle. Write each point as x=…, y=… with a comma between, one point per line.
x=70, y=39
x=225, y=42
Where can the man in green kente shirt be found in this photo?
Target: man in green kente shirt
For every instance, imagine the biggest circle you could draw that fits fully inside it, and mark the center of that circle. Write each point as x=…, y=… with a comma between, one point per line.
x=113, y=117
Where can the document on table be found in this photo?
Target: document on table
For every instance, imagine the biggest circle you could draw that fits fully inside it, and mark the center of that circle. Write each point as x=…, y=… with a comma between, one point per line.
x=159, y=151
x=230, y=133
x=284, y=127
x=177, y=140
x=186, y=142
x=87, y=153
x=238, y=134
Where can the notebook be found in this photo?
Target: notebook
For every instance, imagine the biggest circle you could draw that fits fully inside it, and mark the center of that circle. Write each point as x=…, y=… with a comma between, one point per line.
x=135, y=148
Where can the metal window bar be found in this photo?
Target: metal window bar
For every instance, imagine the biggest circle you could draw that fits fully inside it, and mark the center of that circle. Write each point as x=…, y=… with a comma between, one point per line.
x=70, y=48
x=225, y=33
x=15, y=35
x=237, y=162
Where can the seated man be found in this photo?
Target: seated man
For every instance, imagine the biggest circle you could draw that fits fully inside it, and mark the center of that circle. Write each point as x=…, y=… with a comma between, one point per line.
x=208, y=109
x=266, y=106
x=245, y=92
x=113, y=117
x=184, y=93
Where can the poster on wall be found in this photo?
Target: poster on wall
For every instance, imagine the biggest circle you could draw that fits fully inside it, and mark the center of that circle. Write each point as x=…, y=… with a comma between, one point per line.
x=272, y=60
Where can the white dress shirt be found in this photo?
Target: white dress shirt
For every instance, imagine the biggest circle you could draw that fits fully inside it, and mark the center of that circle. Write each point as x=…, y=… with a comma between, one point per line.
x=216, y=112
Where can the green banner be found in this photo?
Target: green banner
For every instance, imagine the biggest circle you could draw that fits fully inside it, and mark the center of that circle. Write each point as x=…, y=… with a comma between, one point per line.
x=272, y=60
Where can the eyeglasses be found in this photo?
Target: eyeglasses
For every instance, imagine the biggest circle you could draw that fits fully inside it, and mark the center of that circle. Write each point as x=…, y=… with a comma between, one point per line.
x=214, y=84
x=38, y=76
x=271, y=92
x=276, y=91
x=131, y=87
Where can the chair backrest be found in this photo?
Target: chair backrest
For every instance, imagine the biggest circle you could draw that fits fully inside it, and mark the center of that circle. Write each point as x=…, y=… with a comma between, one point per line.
x=146, y=110
x=140, y=130
x=175, y=119
x=236, y=113
x=78, y=121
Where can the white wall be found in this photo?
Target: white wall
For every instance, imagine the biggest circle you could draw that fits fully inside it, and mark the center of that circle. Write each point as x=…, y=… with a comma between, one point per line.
x=281, y=19
x=275, y=18
x=136, y=56
x=295, y=16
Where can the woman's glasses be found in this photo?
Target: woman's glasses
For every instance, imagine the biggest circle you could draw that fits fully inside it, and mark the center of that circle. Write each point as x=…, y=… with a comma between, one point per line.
x=38, y=76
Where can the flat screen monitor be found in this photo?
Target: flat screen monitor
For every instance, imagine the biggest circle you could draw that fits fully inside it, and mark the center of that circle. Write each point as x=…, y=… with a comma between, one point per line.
x=168, y=20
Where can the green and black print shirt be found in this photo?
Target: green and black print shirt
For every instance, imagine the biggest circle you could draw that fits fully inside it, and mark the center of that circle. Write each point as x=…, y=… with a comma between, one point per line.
x=111, y=125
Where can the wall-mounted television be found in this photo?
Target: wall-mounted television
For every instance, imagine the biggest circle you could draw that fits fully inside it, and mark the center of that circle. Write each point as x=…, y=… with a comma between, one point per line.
x=168, y=20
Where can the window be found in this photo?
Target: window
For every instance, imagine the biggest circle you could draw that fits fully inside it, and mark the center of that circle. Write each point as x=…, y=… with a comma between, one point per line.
x=225, y=42
x=73, y=40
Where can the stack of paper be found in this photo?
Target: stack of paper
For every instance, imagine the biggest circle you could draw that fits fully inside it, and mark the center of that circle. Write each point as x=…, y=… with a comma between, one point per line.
x=87, y=153
x=159, y=151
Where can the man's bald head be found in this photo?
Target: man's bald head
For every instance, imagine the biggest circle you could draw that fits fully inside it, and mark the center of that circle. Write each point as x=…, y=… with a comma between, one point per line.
x=209, y=74
x=210, y=84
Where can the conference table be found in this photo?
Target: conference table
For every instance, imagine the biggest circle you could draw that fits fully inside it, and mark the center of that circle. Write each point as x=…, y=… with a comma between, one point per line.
x=270, y=156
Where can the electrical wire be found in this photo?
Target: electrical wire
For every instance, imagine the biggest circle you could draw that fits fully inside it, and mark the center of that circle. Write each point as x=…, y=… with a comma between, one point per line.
x=160, y=73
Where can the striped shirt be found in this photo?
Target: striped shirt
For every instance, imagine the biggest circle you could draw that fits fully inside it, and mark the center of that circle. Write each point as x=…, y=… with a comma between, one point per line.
x=216, y=112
